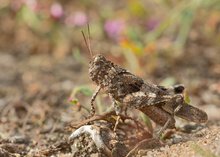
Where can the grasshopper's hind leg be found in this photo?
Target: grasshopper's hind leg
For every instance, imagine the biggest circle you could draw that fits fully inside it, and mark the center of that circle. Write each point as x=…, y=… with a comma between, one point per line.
x=169, y=120
x=159, y=133
x=172, y=107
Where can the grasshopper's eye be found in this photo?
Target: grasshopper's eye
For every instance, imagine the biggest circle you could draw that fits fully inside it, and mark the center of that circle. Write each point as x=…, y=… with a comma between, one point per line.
x=179, y=88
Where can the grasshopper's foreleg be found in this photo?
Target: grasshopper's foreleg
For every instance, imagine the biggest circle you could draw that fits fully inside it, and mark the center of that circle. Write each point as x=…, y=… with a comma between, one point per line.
x=92, y=113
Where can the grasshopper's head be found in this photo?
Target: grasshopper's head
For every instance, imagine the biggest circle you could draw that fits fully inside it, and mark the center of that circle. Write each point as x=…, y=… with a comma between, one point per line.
x=98, y=68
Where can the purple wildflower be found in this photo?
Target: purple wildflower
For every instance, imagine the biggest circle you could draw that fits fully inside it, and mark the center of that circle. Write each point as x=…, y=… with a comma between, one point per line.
x=114, y=28
x=56, y=11
x=152, y=24
x=77, y=19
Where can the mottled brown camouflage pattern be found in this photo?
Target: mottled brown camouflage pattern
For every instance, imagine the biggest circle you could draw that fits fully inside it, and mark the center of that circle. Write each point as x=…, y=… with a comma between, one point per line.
x=158, y=102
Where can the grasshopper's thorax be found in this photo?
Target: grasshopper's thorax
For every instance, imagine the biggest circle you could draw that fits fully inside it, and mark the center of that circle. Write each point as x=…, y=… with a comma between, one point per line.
x=99, y=70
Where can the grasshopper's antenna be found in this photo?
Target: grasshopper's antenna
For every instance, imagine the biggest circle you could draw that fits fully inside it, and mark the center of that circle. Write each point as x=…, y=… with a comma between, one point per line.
x=89, y=40
x=88, y=45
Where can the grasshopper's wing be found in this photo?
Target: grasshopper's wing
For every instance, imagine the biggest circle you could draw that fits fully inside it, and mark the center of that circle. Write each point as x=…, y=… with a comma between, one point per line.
x=131, y=82
x=123, y=84
x=149, y=97
x=192, y=114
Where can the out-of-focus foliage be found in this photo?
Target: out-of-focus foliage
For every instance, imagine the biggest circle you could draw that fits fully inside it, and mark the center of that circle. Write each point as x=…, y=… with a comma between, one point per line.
x=141, y=31
x=85, y=90
x=80, y=91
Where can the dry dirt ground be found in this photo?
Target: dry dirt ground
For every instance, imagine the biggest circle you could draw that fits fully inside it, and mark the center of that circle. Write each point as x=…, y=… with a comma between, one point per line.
x=34, y=107
x=202, y=143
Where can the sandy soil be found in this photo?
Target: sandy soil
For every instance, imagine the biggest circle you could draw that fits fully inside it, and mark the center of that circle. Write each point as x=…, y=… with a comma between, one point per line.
x=34, y=107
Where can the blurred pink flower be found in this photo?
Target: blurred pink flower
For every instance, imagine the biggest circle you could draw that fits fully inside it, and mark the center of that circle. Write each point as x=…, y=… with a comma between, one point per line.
x=152, y=23
x=77, y=19
x=56, y=11
x=114, y=28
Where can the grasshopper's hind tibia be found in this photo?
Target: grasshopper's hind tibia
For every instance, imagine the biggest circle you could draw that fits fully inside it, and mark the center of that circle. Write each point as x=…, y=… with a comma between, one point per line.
x=165, y=119
x=169, y=120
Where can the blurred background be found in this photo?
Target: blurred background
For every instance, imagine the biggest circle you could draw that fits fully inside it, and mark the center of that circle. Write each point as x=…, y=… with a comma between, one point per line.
x=44, y=60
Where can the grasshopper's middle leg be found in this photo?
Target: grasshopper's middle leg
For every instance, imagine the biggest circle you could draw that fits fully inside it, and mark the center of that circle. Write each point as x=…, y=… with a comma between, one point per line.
x=117, y=111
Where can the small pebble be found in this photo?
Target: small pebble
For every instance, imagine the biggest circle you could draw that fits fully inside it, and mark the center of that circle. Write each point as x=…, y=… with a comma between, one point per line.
x=20, y=139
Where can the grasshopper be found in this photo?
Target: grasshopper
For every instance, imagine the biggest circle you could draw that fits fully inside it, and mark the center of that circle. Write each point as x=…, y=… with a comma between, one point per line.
x=159, y=103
